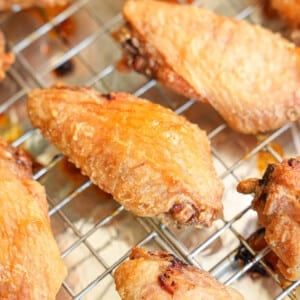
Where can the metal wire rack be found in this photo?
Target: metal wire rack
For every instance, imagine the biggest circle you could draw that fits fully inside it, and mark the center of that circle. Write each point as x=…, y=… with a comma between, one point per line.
x=94, y=233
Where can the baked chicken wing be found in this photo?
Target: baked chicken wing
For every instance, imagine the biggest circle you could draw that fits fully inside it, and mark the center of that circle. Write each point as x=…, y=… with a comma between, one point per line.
x=6, y=58
x=30, y=264
x=7, y=4
x=250, y=75
x=151, y=160
x=158, y=275
x=276, y=200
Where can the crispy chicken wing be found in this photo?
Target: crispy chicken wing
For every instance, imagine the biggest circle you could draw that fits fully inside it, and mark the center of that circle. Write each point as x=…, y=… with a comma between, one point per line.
x=276, y=200
x=6, y=58
x=30, y=264
x=7, y=4
x=248, y=74
x=151, y=160
x=161, y=276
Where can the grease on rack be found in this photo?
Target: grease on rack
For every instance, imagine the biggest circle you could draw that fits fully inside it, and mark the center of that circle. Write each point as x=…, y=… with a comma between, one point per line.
x=264, y=157
x=9, y=131
x=257, y=242
x=71, y=172
x=63, y=31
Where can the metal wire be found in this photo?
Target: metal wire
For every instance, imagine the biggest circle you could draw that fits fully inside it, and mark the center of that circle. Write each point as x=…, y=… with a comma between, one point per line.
x=163, y=235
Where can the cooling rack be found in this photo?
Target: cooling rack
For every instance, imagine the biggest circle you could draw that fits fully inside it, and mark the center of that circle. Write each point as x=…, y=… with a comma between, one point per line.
x=94, y=233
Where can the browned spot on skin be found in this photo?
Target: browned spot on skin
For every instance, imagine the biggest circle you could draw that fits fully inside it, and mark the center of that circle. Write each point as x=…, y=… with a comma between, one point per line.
x=83, y=89
x=22, y=159
x=261, y=196
x=164, y=282
x=195, y=216
x=130, y=47
x=167, y=278
x=176, y=212
x=270, y=169
x=176, y=208
x=292, y=162
x=186, y=213
x=140, y=64
x=177, y=263
x=134, y=55
x=108, y=96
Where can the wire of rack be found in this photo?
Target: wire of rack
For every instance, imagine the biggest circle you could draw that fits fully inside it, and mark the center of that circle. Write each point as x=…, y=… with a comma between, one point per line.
x=95, y=233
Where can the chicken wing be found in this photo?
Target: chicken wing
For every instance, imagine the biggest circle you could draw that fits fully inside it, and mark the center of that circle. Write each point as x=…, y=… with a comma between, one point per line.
x=151, y=160
x=6, y=58
x=158, y=275
x=276, y=200
x=30, y=264
x=248, y=74
x=7, y=4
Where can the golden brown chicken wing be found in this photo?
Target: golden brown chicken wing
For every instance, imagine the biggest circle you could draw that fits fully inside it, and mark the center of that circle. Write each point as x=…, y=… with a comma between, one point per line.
x=6, y=58
x=248, y=74
x=158, y=275
x=276, y=200
x=151, y=160
x=30, y=264
x=7, y=4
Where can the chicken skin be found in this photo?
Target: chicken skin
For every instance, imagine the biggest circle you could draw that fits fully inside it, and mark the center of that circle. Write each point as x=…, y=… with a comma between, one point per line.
x=276, y=200
x=7, y=4
x=248, y=74
x=30, y=264
x=6, y=58
x=151, y=160
x=161, y=276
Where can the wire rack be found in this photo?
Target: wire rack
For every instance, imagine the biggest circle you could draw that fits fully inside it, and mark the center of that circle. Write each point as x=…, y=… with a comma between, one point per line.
x=94, y=233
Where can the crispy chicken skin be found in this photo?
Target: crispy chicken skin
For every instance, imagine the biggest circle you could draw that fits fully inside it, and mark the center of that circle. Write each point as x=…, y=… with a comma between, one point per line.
x=6, y=58
x=30, y=264
x=250, y=75
x=158, y=275
x=151, y=160
x=276, y=200
x=7, y=4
